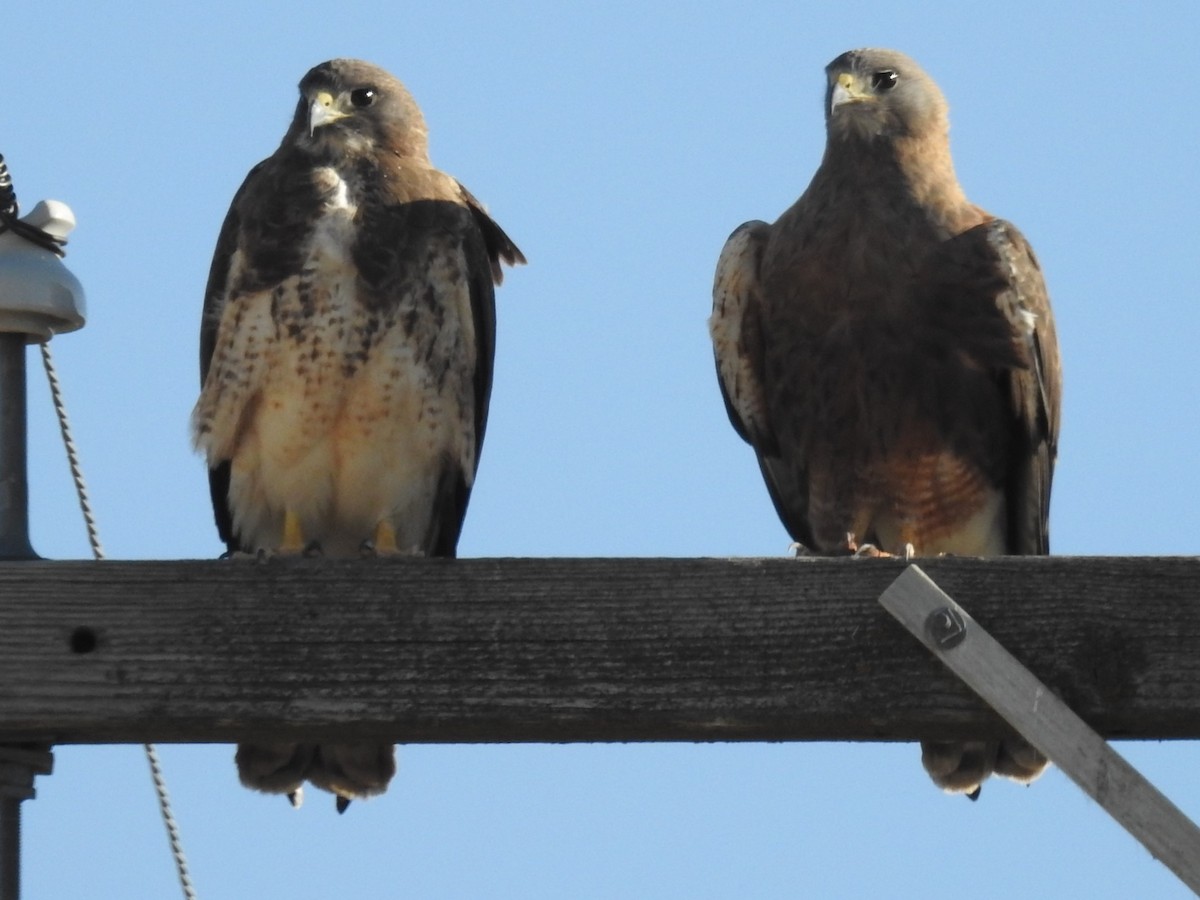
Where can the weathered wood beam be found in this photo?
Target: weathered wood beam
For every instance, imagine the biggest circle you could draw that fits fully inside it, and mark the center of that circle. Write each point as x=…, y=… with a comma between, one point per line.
x=574, y=649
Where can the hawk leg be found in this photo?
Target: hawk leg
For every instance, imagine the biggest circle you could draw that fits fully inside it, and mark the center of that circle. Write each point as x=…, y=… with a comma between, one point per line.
x=293, y=534
x=383, y=543
x=292, y=543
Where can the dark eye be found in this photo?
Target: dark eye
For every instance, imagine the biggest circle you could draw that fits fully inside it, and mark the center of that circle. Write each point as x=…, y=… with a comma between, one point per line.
x=885, y=80
x=362, y=97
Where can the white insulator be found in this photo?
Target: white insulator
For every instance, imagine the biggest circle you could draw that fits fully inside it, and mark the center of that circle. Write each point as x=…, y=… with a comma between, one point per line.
x=39, y=297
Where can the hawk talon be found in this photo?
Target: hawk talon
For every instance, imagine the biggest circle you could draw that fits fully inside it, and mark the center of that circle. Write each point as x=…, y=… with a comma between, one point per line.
x=312, y=550
x=868, y=551
x=369, y=549
x=343, y=803
x=296, y=797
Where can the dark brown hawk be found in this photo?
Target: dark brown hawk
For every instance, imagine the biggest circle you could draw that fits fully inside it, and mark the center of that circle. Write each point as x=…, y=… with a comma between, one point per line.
x=346, y=358
x=887, y=348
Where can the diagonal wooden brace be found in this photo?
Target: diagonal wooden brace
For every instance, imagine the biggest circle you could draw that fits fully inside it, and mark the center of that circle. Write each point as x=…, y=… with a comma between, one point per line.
x=1045, y=721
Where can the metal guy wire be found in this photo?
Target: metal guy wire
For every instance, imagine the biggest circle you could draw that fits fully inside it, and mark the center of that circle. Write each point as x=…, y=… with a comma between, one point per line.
x=64, y=425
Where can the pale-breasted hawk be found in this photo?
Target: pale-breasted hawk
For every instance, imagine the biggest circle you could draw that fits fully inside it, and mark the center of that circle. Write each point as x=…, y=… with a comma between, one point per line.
x=346, y=358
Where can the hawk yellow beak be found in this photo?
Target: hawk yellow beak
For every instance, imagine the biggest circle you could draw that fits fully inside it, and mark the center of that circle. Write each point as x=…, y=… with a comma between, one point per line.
x=847, y=90
x=322, y=111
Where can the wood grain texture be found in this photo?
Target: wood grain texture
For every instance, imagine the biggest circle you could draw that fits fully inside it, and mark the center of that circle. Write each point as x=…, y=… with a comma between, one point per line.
x=497, y=650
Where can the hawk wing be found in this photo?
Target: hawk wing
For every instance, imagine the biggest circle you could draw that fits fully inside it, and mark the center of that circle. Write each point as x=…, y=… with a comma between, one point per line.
x=988, y=298
x=259, y=246
x=214, y=301
x=1035, y=388
x=737, y=336
x=486, y=272
x=487, y=247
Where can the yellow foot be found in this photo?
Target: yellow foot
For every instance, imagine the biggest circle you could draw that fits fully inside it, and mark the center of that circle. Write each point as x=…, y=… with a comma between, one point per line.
x=383, y=543
x=385, y=539
x=293, y=535
x=292, y=542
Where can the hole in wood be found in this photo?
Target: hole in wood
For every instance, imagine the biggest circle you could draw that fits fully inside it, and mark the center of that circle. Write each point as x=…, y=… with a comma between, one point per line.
x=83, y=640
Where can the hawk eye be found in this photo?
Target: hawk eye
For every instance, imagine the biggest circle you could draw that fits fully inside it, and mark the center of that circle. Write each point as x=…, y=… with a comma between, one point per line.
x=362, y=97
x=884, y=80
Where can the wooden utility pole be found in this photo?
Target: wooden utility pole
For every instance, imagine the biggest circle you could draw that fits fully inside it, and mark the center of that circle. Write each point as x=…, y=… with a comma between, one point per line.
x=38, y=299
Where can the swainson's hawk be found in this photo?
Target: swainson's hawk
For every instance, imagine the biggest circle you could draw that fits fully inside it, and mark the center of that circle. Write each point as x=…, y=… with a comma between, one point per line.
x=346, y=358
x=888, y=349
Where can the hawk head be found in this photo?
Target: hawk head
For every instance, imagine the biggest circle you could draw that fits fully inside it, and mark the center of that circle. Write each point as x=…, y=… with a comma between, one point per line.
x=874, y=93
x=348, y=106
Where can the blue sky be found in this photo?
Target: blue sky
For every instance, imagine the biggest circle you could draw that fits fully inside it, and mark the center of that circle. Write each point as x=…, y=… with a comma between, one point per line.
x=618, y=144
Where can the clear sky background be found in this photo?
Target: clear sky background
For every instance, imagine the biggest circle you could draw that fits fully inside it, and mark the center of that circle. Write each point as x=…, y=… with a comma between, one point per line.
x=618, y=144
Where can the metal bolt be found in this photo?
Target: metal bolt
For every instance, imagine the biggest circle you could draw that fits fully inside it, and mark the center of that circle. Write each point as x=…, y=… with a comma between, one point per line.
x=946, y=627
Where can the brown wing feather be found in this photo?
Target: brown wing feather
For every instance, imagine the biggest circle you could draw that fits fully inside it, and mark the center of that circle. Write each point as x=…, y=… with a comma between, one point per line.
x=218, y=274
x=215, y=293
x=487, y=247
x=738, y=340
x=1036, y=392
x=486, y=273
x=1001, y=386
x=736, y=333
x=268, y=219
